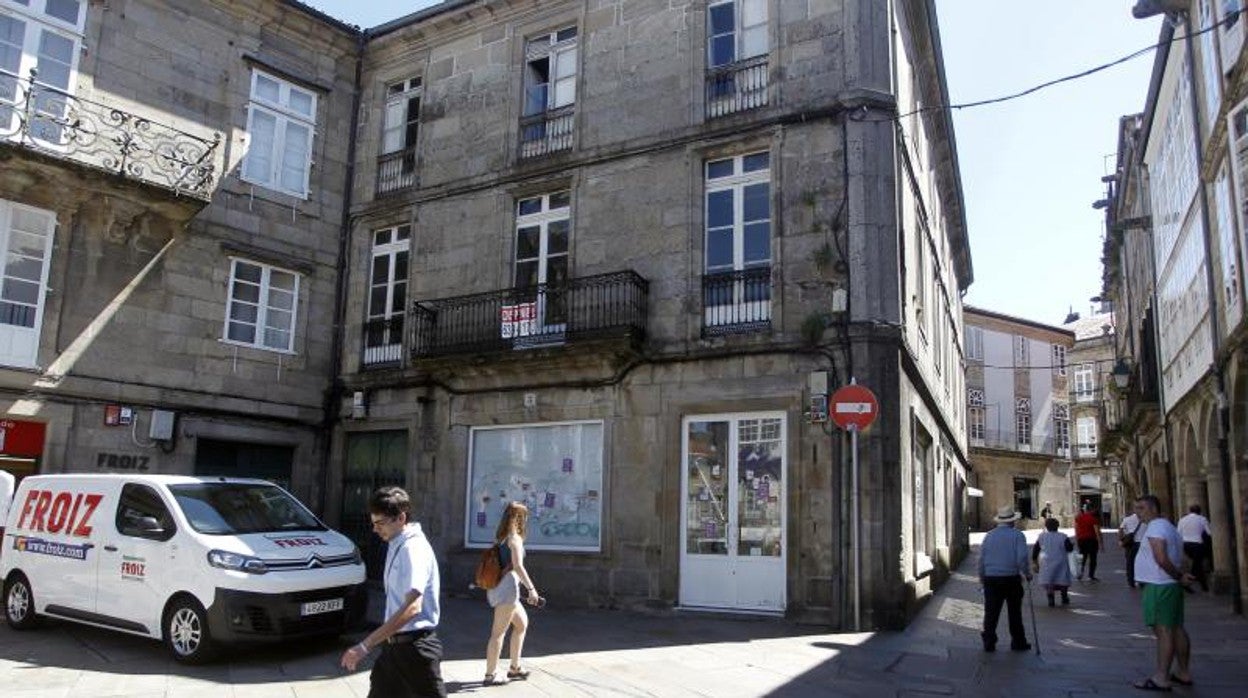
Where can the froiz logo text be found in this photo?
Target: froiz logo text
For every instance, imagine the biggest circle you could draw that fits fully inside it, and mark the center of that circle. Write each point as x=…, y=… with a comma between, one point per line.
x=56, y=512
x=296, y=542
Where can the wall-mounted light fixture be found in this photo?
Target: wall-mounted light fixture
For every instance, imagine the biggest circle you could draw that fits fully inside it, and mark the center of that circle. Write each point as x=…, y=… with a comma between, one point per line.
x=1121, y=374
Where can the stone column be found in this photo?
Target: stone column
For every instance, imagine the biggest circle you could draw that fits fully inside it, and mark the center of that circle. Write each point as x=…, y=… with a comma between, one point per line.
x=1216, y=513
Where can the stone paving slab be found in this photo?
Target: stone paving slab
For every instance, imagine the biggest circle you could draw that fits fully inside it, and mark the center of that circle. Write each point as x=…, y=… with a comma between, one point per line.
x=1094, y=647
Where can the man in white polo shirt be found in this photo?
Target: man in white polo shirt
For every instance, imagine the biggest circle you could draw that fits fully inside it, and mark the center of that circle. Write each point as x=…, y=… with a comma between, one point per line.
x=1194, y=528
x=1157, y=568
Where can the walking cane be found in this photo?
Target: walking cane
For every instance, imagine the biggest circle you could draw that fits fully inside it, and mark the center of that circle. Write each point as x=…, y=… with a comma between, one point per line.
x=1031, y=598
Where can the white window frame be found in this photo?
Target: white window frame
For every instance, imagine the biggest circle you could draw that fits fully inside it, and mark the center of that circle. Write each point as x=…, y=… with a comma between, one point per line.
x=1086, y=431
x=398, y=101
x=9, y=338
x=37, y=22
x=1022, y=351
x=560, y=88
x=284, y=117
x=263, y=306
x=1085, y=383
x=1022, y=423
x=580, y=481
x=1059, y=359
x=737, y=183
x=975, y=425
x=975, y=343
x=1061, y=427
x=739, y=31
x=399, y=243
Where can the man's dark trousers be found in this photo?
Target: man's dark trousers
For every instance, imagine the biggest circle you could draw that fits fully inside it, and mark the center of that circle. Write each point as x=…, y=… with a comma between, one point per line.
x=1131, y=549
x=411, y=669
x=1008, y=591
x=1196, y=553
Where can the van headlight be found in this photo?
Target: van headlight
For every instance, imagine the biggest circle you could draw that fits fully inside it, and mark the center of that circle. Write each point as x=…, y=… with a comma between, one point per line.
x=233, y=561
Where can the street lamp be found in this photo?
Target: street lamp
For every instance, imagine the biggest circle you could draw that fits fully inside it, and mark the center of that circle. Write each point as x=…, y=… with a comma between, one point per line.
x=1121, y=374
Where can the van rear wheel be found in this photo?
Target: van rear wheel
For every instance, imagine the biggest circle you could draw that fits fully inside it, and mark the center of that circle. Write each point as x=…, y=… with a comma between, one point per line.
x=186, y=631
x=19, y=602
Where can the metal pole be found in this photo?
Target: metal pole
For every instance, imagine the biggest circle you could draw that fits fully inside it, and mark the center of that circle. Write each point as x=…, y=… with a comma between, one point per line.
x=857, y=525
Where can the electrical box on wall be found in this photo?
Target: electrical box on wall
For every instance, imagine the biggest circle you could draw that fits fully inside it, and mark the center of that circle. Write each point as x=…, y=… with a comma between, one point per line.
x=818, y=412
x=162, y=425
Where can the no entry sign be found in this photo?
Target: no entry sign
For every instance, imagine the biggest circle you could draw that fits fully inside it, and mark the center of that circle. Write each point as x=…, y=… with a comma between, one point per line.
x=854, y=407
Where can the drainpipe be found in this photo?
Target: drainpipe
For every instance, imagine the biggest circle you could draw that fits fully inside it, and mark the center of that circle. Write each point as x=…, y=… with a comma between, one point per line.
x=333, y=396
x=1224, y=413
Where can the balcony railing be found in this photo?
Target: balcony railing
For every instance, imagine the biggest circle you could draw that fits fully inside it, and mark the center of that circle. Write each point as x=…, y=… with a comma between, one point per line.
x=383, y=342
x=1009, y=441
x=591, y=307
x=52, y=121
x=396, y=171
x=736, y=301
x=547, y=132
x=736, y=87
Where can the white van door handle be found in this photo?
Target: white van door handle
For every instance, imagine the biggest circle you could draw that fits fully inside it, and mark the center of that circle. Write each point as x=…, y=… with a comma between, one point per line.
x=111, y=548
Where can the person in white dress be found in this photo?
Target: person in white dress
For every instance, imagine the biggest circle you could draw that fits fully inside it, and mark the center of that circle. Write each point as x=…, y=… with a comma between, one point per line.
x=1051, y=553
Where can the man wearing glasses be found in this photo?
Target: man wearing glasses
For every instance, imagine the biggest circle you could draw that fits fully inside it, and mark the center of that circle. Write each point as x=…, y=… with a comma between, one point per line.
x=411, y=653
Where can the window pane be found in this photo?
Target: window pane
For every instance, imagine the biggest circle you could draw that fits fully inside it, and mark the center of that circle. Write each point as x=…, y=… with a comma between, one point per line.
x=278, y=319
x=560, y=199
x=528, y=206
x=723, y=50
x=719, y=168
x=565, y=92
x=754, y=42
x=399, y=302
x=565, y=34
x=301, y=102
x=276, y=339
x=259, y=164
x=22, y=267
x=20, y=291
x=719, y=249
x=528, y=242
x=755, y=162
x=565, y=63
x=719, y=209
x=282, y=279
x=295, y=157
x=244, y=312
x=403, y=232
x=377, y=301
x=268, y=89
x=557, y=237
x=283, y=300
x=381, y=269
x=400, y=266
x=25, y=243
x=557, y=270
x=242, y=333
x=723, y=20
x=381, y=237
x=757, y=202
x=56, y=54
x=526, y=274
x=753, y=12
x=757, y=242
x=66, y=10
x=247, y=272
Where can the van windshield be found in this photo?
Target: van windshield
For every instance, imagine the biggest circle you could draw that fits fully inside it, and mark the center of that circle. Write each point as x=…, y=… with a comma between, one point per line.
x=221, y=508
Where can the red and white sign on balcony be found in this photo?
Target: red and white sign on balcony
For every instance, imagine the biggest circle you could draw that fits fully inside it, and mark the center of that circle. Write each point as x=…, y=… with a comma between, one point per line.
x=854, y=407
x=519, y=320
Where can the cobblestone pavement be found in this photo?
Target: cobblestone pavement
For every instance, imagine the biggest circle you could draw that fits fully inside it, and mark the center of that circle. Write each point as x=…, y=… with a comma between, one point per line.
x=1094, y=647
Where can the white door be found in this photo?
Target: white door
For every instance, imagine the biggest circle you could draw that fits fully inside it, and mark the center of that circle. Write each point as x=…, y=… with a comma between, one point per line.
x=25, y=241
x=733, y=509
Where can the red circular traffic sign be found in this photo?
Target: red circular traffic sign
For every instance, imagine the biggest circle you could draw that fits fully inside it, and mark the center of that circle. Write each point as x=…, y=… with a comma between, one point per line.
x=853, y=407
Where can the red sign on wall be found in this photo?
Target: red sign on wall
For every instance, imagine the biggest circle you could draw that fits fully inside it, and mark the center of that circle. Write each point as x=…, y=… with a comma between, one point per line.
x=21, y=438
x=854, y=406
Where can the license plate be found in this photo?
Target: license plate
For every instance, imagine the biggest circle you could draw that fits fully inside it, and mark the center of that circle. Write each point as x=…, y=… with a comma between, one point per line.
x=312, y=608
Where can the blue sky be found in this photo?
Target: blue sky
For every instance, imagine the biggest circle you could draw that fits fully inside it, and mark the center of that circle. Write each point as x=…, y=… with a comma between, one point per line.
x=1031, y=167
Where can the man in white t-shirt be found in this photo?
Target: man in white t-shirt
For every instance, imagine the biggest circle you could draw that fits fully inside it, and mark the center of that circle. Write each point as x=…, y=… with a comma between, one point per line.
x=1128, y=537
x=1157, y=568
x=1195, y=531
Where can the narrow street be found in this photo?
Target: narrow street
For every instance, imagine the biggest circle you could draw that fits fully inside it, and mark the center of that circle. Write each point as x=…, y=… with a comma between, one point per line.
x=1096, y=646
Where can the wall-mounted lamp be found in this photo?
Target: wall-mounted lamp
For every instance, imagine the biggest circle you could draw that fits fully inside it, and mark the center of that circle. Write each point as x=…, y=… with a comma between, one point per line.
x=1121, y=374
x=1100, y=204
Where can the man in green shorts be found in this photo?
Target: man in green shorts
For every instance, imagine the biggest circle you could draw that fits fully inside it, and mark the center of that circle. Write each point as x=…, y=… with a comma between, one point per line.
x=1156, y=567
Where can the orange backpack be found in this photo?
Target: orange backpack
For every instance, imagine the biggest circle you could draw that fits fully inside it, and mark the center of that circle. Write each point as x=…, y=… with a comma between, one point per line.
x=489, y=569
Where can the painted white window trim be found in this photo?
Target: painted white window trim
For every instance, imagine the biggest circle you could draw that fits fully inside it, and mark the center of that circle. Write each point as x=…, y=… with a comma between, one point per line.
x=284, y=116
x=263, y=305
x=736, y=183
x=6, y=218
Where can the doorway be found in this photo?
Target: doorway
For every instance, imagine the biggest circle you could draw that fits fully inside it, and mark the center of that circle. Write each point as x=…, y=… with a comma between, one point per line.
x=733, y=509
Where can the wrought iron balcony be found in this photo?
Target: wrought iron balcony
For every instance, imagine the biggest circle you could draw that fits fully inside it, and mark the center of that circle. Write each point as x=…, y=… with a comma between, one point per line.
x=54, y=122
x=1009, y=440
x=736, y=302
x=383, y=342
x=396, y=171
x=591, y=307
x=547, y=132
x=736, y=87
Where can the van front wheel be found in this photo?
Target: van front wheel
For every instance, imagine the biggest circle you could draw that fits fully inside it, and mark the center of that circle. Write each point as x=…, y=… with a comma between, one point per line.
x=19, y=602
x=186, y=631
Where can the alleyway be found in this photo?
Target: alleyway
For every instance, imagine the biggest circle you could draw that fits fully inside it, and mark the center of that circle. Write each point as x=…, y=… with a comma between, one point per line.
x=1095, y=647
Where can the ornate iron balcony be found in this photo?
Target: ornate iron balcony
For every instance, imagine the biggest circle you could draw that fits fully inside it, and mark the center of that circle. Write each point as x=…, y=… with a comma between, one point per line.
x=547, y=132
x=591, y=307
x=736, y=302
x=54, y=122
x=736, y=87
x=396, y=171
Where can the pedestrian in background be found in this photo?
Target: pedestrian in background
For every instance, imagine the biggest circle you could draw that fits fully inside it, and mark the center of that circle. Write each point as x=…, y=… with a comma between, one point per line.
x=1047, y=512
x=1088, y=537
x=1128, y=538
x=410, y=664
x=1194, y=528
x=505, y=598
x=1157, y=568
x=1002, y=565
x=1050, y=554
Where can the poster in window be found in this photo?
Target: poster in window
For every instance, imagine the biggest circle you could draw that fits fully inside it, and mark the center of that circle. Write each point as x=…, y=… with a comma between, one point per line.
x=533, y=465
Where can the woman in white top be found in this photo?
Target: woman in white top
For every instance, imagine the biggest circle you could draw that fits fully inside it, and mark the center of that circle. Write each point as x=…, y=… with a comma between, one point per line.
x=1051, y=550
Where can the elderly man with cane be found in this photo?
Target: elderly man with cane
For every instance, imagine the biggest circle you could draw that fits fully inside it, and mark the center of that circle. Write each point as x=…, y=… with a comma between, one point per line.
x=1003, y=564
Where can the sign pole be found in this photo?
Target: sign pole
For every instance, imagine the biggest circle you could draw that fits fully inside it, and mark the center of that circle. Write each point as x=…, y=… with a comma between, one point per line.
x=853, y=447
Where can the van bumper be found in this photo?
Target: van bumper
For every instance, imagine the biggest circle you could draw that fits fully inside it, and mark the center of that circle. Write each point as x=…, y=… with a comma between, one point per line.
x=246, y=616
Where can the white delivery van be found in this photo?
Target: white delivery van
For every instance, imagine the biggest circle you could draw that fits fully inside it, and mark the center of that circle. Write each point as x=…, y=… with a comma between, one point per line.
x=194, y=561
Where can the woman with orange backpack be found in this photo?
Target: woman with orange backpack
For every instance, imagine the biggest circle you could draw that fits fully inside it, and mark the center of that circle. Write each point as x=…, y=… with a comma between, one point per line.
x=505, y=596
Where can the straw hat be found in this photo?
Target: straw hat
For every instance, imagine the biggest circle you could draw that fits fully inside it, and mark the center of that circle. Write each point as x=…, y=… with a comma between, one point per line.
x=1006, y=514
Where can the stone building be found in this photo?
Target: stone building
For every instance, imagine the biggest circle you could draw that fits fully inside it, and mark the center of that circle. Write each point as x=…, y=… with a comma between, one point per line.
x=1018, y=417
x=1095, y=477
x=605, y=258
x=170, y=208
x=1174, y=259
x=602, y=259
